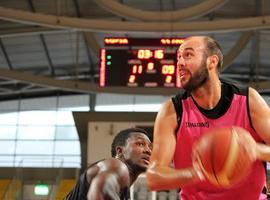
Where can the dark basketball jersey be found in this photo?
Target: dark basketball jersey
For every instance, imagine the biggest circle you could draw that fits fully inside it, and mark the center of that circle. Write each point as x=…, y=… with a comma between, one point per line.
x=81, y=188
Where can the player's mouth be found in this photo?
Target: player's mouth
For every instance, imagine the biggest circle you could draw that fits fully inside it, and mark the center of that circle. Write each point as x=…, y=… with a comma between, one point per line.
x=183, y=73
x=146, y=159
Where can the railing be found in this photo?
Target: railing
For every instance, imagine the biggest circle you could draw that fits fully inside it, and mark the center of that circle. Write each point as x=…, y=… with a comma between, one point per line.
x=15, y=189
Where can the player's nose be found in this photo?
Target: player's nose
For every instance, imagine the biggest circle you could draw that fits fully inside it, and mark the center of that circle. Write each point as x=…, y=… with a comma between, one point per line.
x=180, y=62
x=147, y=150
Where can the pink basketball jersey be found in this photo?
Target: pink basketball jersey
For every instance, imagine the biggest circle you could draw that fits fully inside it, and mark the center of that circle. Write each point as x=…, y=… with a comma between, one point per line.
x=195, y=121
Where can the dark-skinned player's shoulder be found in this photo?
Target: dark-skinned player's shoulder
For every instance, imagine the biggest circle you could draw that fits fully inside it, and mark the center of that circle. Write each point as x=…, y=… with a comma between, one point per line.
x=110, y=164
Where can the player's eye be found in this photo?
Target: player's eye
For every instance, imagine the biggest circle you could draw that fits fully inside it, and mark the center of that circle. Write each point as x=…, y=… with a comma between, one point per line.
x=140, y=144
x=188, y=55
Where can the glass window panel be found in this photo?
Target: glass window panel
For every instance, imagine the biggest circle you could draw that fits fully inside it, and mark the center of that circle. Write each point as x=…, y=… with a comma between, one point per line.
x=37, y=118
x=48, y=103
x=115, y=108
x=147, y=107
x=64, y=118
x=8, y=118
x=7, y=147
x=7, y=132
x=267, y=99
x=114, y=99
x=33, y=161
x=36, y=132
x=9, y=105
x=70, y=161
x=45, y=123
x=66, y=133
x=6, y=161
x=84, y=108
x=73, y=102
x=129, y=107
x=34, y=147
x=150, y=99
x=67, y=148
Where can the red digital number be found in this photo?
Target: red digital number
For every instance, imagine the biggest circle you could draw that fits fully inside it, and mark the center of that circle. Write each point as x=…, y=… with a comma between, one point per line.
x=144, y=54
x=150, y=66
x=137, y=69
x=168, y=69
x=132, y=79
x=168, y=79
x=147, y=54
x=159, y=54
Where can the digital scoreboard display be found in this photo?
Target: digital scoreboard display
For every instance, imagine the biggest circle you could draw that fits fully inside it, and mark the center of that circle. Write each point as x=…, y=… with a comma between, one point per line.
x=139, y=62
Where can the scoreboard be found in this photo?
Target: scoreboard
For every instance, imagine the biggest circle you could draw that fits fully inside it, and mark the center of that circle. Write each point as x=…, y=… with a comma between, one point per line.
x=139, y=62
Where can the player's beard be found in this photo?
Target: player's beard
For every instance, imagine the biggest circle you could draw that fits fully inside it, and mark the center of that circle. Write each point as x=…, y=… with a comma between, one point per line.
x=198, y=78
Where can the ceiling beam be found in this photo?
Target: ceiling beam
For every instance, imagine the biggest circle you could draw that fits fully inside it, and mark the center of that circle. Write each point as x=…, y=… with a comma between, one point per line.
x=87, y=87
x=41, y=36
x=226, y=25
x=236, y=49
x=90, y=42
x=254, y=53
x=81, y=86
x=129, y=12
x=2, y=46
x=29, y=30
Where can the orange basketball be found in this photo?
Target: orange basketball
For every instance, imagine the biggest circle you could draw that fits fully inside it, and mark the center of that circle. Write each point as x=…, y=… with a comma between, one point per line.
x=223, y=155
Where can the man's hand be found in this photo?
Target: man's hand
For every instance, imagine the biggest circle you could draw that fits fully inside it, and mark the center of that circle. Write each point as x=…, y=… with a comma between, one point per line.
x=250, y=146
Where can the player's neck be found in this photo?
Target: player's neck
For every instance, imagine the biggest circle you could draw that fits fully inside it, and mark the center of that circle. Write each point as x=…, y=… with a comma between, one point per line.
x=133, y=173
x=208, y=95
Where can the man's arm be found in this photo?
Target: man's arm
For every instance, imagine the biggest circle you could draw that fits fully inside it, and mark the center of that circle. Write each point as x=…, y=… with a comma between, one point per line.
x=113, y=175
x=159, y=174
x=260, y=117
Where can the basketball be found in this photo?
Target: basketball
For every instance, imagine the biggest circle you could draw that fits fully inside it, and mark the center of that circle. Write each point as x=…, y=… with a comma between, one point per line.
x=223, y=155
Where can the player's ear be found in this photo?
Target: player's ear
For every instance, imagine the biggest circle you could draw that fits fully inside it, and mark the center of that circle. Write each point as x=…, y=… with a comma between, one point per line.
x=119, y=151
x=212, y=61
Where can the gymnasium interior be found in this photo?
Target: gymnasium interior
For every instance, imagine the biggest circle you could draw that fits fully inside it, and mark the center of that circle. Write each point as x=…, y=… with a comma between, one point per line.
x=66, y=88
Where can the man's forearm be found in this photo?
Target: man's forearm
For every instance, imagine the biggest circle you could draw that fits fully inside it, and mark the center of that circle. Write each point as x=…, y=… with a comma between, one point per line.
x=263, y=152
x=161, y=178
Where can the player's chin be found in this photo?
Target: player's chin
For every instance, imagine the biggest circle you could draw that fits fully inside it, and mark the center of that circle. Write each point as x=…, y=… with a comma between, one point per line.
x=145, y=163
x=184, y=83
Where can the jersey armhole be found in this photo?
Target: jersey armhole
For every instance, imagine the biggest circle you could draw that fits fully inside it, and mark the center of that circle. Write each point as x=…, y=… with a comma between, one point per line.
x=178, y=110
x=248, y=110
x=265, y=189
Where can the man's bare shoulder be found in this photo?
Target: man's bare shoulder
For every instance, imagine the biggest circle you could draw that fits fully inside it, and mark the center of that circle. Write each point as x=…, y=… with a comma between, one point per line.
x=167, y=108
x=110, y=165
x=167, y=111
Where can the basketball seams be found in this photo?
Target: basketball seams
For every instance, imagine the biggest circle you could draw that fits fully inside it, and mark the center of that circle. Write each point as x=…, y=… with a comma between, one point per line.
x=208, y=175
x=222, y=157
x=225, y=173
x=213, y=146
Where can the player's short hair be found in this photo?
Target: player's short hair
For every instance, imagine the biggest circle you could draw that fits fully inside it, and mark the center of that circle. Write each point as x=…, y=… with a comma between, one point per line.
x=121, y=138
x=213, y=48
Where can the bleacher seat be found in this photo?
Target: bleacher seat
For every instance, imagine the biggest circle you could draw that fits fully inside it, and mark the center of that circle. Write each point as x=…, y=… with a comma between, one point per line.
x=4, y=183
x=64, y=188
x=12, y=189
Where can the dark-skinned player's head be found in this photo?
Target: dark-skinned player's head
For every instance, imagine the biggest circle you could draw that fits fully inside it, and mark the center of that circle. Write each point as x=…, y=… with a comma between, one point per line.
x=121, y=138
x=132, y=146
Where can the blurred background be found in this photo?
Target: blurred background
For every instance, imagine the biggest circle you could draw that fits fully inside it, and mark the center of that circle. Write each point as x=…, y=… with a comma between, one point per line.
x=75, y=72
